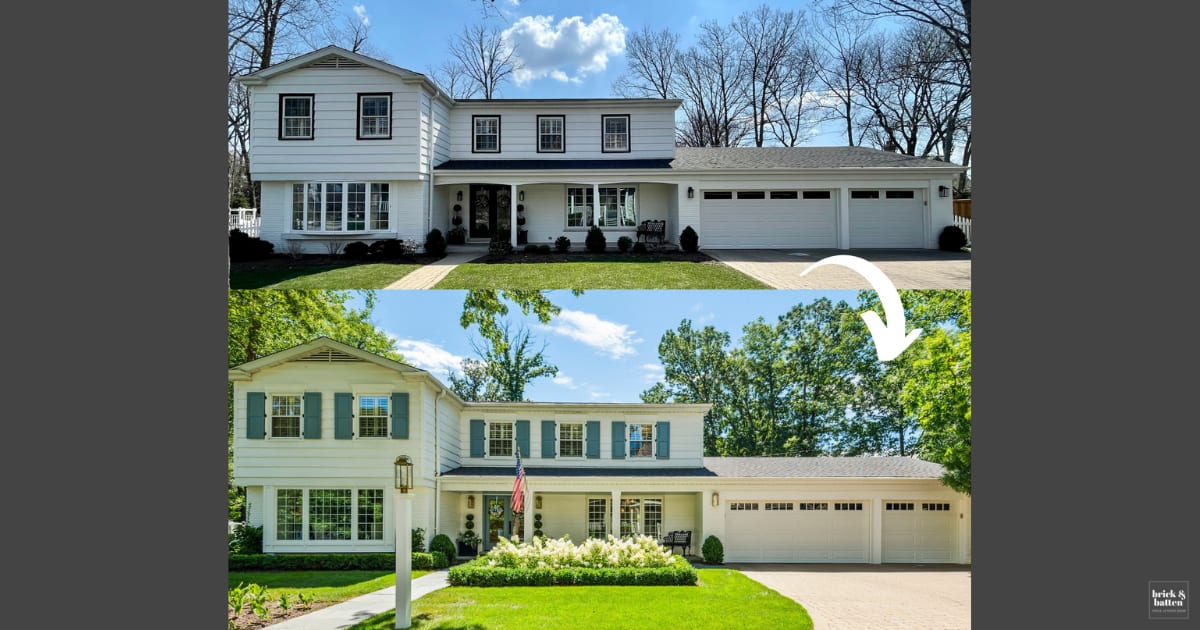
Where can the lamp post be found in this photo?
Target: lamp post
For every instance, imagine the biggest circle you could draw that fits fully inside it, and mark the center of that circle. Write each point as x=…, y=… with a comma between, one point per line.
x=403, y=499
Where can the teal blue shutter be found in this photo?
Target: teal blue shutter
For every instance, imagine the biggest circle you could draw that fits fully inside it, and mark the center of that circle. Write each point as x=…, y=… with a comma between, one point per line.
x=618, y=435
x=343, y=416
x=477, y=438
x=593, y=439
x=399, y=416
x=548, y=451
x=663, y=437
x=523, y=437
x=312, y=415
x=256, y=415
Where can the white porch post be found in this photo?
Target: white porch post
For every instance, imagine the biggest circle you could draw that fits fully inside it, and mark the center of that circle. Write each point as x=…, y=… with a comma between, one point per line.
x=595, y=204
x=528, y=515
x=843, y=218
x=512, y=222
x=403, y=508
x=616, y=513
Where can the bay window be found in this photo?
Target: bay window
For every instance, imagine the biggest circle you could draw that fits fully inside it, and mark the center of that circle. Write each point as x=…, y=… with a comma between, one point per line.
x=329, y=514
x=339, y=206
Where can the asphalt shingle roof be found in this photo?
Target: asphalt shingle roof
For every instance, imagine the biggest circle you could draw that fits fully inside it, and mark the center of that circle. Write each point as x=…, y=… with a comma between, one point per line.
x=807, y=467
x=795, y=157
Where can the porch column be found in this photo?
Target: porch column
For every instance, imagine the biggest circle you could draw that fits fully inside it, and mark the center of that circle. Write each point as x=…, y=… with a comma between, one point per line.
x=528, y=514
x=595, y=204
x=616, y=514
x=512, y=210
x=843, y=218
x=876, y=530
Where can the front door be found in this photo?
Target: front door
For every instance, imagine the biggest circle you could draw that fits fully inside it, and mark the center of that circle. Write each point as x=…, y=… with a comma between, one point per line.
x=491, y=210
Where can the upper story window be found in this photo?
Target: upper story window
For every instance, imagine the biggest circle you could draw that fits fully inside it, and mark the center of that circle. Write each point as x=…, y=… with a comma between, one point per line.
x=285, y=416
x=372, y=416
x=641, y=440
x=570, y=440
x=339, y=206
x=486, y=134
x=374, y=116
x=296, y=117
x=551, y=134
x=500, y=439
x=615, y=130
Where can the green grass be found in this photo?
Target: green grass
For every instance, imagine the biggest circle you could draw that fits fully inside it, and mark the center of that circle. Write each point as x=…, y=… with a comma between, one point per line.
x=324, y=586
x=627, y=274
x=723, y=599
x=365, y=276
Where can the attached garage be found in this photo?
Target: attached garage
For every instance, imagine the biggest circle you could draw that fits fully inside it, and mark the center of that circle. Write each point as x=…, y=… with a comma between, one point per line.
x=918, y=531
x=771, y=219
x=887, y=219
x=797, y=531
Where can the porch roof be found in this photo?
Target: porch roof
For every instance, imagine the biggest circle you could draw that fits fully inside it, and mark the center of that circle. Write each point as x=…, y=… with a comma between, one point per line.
x=577, y=471
x=552, y=165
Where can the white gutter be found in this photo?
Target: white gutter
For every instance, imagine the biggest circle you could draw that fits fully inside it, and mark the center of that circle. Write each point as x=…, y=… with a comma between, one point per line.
x=429, y=169
x=437, y=466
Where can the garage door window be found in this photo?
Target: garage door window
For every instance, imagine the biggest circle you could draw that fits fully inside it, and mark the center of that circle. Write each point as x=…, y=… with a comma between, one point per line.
x=718, y=194
x=854, y=507
x=778, y=507
x=752, y=194
x=738, y=506
x=899, y=194
x=864, y=194
x=935, y=507
x=814, y=506
x=783, y=194
x=899, y=507
x=816, y=194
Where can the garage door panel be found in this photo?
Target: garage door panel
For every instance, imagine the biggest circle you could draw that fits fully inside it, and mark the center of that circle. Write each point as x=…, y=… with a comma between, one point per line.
x=918, y=531
x=887, y=223
x=768, y=223
x=796, y=535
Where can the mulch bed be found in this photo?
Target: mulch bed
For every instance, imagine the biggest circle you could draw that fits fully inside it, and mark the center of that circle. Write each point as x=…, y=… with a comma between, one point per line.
x=247, y=620
x=583, y=256
x=284, y=261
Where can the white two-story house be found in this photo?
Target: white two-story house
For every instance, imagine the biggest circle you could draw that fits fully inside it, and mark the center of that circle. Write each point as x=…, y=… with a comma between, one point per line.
x=317, y=428
x=351, y=148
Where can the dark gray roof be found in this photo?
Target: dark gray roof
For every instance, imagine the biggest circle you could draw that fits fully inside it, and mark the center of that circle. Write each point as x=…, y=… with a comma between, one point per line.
x=796, y=157
x=807, y=467
x=550, y=165
x=503, y=101
x=568, y=471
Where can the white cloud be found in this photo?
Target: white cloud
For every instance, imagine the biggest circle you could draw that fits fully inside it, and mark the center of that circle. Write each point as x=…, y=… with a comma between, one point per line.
x=563, y=380
x=567, y=51
x=599, y=396
x=429, y=356
x=361, y=11
x=653, y=372
x=615, y=340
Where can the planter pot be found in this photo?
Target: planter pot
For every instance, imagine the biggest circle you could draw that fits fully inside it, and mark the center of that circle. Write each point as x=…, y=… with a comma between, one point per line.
x=466, y=550
x=523, y=237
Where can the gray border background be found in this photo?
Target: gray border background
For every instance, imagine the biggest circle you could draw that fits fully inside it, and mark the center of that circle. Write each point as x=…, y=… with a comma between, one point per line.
x=1084, y=413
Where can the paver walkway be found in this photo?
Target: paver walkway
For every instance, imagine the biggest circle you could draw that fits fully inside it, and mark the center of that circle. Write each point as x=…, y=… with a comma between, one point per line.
x=431, y=274
x=907, y=269
x=356, y=610
x=873, y=597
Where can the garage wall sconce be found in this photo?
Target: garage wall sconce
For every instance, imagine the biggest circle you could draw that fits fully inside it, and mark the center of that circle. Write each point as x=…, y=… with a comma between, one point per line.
x=943, y=191
x=691, y=192
x=521, y=196
x=537, y=502
x=470, y=502
x=716, y=500
x=458, y=196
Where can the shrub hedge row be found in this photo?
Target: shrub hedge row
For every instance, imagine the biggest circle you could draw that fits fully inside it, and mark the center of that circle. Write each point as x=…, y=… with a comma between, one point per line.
x=332, y=561
x=478, y=573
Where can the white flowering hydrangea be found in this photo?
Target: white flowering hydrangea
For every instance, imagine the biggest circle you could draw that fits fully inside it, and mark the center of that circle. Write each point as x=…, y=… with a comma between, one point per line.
x=555, y=553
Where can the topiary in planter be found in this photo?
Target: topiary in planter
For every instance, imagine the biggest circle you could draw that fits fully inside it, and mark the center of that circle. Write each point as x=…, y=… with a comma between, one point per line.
x=457, y=220
x=624, y=243
x=357, y=249
x=500, y=245
x=457, y=236
x=562, y=244
x=712, y=550
x=435, y=243
x=952, y=239
x=689, y=241
x=595, y=241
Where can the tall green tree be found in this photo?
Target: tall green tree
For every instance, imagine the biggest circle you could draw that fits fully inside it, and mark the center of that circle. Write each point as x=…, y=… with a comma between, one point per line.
x=503, y=369
x=695, y=364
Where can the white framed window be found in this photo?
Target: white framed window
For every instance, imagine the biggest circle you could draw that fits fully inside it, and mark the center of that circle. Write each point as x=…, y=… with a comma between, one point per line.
x=296, y=116
x=500, y=439
x=641, y=516
x=552, y=134
x=373, y=415
x=370, y=514
x=617, y=207
x=339, y=206
x=329, y=514
x=374, y=116
x=486, y=134
x=571, y=440
x=615, y=131
x=289, y=514
x=285, y=415
x=579, y=207
x=641, y=439
x=597, y=518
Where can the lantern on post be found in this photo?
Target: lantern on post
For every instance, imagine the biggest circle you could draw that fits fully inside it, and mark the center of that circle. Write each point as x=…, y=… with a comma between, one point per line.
x=404, y=473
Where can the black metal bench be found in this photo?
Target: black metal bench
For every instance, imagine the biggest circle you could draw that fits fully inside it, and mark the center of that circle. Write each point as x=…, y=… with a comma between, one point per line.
x=681, y=539
x=651, y=229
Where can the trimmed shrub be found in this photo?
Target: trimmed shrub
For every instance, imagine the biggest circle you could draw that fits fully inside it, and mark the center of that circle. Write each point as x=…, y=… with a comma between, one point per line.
x=443, y=545
x=500, y=245
x=689, y=241
x=435, y=243
x=356, y=250
x=427, y=561
x=242, y=247
x=478, y=573
x=595, y=241
x=322, y=561
x=246, y=539
x=418, y=539
x=952, y=239
x=712, y=550
x=624, y=243
x=530, y=249
x=562, y=244
x=543, y=248
x=639, y=248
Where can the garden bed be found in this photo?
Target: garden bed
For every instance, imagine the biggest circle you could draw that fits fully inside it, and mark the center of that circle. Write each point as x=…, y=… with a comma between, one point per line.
x=283, y=261
x=557, y=562
x=520, y=256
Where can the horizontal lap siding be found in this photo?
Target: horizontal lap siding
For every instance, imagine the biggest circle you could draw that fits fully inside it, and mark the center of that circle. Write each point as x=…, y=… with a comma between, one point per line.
x=652, y=132
x=546, y=213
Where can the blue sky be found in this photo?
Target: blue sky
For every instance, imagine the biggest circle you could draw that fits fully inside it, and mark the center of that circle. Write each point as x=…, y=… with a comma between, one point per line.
x=579, y=45
x=605, y=343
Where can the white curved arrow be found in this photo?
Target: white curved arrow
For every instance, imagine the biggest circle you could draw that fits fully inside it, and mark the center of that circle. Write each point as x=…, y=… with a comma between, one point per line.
x=890, y=339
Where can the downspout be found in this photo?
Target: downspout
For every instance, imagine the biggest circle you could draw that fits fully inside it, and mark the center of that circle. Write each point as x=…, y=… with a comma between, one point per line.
x=437, y=467
x=429, y=169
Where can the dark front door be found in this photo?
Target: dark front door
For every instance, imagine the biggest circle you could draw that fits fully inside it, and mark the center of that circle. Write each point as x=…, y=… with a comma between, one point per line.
x=490, y=210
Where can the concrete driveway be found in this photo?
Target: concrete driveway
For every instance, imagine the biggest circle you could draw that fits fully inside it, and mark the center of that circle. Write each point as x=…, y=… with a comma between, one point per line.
x=872, y=596
x=906, y=268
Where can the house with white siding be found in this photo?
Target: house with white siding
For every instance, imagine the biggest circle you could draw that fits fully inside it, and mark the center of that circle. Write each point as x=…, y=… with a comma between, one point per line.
x=317, y=428
x=350, y=148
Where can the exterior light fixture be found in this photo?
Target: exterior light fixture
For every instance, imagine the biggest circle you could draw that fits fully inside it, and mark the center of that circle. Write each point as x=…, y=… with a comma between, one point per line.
x=404, y=473
x=537, y=502
x=521, y=196
x=458, y=196
x=716, y=500
x=691, y=192
x=470, y=502
x=943, y=191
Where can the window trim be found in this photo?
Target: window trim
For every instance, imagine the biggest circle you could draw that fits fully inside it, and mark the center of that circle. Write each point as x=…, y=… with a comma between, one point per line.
x=358, y=120
x=306, y=524
x=653, y=441
x=369, y=218
x=270, y=419
x=475, y=135
x=591, y=192
x=387, y=417
x=538, y=131
x=558, y=439
x=628, y=133
x=312, y=116
x=606, y=522
x=641, y=519
x=487, y=439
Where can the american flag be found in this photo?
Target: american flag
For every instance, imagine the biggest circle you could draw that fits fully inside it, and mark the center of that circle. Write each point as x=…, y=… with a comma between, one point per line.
x=518, y=493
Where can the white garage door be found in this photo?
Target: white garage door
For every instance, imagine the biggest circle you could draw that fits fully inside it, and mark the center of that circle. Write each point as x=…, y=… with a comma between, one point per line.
x=918, y=531
x=796, y=531
x=767, y=219
x=887, y=219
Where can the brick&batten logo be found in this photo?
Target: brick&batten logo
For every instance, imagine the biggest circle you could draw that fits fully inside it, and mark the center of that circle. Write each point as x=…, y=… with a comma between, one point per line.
x=1169, y=599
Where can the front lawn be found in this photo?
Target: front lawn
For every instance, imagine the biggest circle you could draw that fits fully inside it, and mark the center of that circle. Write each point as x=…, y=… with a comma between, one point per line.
x=623, y=273
x=722, y=599
x=324, y=587
x=331, y=276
